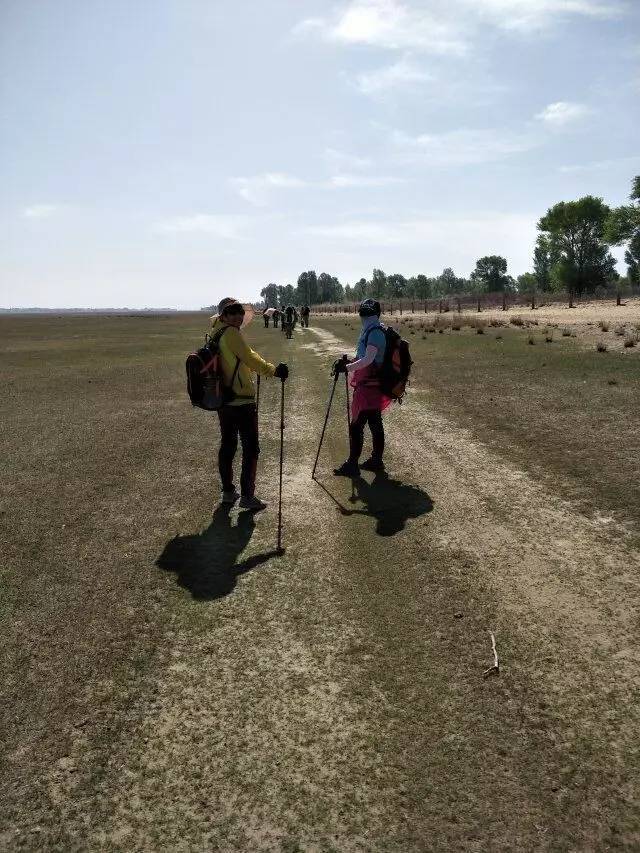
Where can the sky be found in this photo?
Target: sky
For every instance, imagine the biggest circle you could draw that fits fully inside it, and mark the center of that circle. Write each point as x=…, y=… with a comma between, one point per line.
x=168, y=153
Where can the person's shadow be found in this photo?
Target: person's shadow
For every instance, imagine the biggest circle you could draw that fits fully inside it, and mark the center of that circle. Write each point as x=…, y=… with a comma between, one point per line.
x=389, y=501
x=205, y=563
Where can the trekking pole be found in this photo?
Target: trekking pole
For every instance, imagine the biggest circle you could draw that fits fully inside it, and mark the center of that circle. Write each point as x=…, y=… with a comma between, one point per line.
x=346, y=385
x=333, y=391
x=281, y=463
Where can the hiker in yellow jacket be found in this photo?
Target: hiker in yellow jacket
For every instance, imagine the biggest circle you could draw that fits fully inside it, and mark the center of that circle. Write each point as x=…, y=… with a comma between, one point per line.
x=239, y=415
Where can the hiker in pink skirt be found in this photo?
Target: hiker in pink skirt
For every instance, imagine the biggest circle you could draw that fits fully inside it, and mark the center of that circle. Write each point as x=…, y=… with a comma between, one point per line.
x=368, y=402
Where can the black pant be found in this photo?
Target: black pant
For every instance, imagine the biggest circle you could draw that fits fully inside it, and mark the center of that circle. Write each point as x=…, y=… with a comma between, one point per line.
x=374, y=418
x=242, y=420
x=266, y=322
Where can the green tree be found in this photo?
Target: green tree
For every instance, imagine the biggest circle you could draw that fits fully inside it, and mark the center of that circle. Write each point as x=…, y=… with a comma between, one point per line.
x=527, y=282
x=307, y=288
x=270, y=295
x=623, y=226
x=576, y=233
x=329, y=288
x=490, y=274
x=544, y=257
x=378, y=284
x=396, y=286
x=360, y=289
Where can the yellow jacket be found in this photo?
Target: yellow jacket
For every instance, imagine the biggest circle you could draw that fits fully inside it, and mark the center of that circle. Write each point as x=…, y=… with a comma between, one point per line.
x=233, y=347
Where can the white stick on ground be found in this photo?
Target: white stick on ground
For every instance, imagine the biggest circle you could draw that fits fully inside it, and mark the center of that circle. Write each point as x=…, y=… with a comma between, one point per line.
x=496, y=666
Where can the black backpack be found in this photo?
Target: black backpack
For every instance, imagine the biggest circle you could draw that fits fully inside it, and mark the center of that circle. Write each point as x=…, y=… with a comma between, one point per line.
x=205, y=384
x=394, y=371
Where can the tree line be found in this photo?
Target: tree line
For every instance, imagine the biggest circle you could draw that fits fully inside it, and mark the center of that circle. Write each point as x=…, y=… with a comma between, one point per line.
x=572, y=255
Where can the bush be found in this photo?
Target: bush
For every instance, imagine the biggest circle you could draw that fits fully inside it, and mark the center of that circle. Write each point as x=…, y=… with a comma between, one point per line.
x=531, y=340
x=604, y=325
x=630, y=340
x=480, y=330
x=517, y=321
x=566, y=333
x=619, y=330
x=601, y=346
x=549, y=336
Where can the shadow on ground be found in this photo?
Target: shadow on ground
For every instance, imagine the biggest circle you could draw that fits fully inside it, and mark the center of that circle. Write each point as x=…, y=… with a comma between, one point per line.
x=391, y=502
x=205, y=563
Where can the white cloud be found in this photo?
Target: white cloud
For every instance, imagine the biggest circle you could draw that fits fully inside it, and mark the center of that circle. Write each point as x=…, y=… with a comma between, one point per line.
x=601, y=165
x=388, y=24
x=347, y=181
x=341, y=160
x=398, y=75
x=538, y=14
x=227, y=227
x=463, y=147
x=40, y=211
x=562, y=113
x=444, y=26
x=256, y=189
x=439, y=237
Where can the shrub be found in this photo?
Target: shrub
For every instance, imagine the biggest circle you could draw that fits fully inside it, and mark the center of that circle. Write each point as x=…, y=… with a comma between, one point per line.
x=498, y=337
x=496, y=322
x=604, y=325
x=517, y=321
x=531, y=340
x=534, y=322
x=456, y=326
x=480, y=330
x=619, y=330
x=566, y=333
x=601, y=346
x=630, y=340
x=549, y=336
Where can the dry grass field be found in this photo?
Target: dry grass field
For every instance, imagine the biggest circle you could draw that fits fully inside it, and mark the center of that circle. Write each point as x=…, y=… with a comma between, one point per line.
x=171, y=683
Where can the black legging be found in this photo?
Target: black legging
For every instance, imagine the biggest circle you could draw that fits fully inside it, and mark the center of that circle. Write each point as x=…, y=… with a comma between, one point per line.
x=374, y=418
x=242, y=420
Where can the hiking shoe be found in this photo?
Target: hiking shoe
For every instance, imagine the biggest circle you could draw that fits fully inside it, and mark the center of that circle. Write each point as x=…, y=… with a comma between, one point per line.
x=252, y=503
x=229, y=497
x=372, y=464
x=347, y=469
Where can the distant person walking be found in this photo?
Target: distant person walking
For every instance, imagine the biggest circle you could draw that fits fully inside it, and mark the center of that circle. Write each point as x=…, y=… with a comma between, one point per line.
x=304, y=313
x=265, y=317
x=368, y=400
x=276, y=318
x=290, y=320
x=239, y=417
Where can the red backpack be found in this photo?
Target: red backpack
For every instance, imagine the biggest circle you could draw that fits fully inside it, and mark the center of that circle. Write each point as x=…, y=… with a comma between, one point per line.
x=205, y=384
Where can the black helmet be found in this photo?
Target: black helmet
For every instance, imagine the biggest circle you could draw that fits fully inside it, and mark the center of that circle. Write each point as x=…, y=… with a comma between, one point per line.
x=369, y=308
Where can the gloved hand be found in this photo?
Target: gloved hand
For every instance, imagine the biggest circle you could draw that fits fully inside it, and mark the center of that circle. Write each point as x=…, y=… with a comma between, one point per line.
x=340, y=366
x=282, y=371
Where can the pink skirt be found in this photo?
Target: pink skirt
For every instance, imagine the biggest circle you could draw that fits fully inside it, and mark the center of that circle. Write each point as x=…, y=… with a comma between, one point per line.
x=367, y=394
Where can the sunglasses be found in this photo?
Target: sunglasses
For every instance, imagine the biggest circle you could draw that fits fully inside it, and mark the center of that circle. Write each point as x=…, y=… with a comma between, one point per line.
x=234, y=309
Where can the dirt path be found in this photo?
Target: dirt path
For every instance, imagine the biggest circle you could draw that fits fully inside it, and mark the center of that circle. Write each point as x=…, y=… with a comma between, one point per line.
x=335, y=700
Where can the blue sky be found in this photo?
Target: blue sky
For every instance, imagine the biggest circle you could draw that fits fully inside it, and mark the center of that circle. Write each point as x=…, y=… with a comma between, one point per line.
x=172, y=152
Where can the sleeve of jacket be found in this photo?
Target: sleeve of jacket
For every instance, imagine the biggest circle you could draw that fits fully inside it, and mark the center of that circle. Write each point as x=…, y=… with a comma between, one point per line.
x=243, y=351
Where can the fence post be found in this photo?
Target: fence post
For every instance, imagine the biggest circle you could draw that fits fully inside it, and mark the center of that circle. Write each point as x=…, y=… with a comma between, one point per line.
x=413, y=307
x=425, y=306
x=571, y=297
x=533, y=300
x=401, y=307
x=479, y=306
x=440, y=307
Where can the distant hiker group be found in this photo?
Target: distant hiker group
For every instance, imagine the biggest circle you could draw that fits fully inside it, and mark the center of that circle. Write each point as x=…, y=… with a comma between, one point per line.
x=287, y=318
x=219, y=378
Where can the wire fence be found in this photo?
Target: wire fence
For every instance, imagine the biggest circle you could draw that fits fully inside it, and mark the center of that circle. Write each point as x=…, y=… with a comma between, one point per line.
x=477, y=302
